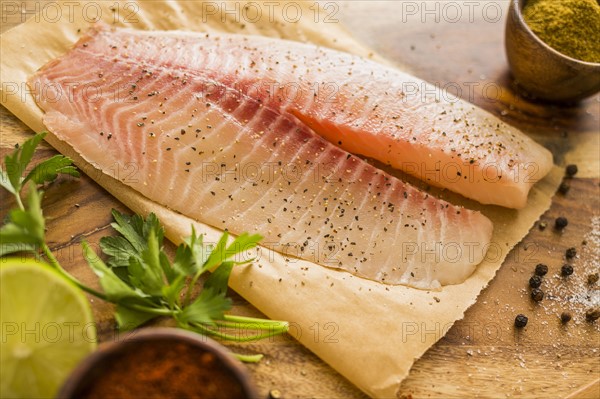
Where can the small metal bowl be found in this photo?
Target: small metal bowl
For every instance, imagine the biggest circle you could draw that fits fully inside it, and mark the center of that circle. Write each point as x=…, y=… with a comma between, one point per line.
x=542, y=71
x=92, y=377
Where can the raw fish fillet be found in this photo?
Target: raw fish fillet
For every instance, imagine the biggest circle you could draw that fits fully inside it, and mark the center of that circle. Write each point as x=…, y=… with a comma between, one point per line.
x=160, y=112
x=376, y=111
x=361, y=106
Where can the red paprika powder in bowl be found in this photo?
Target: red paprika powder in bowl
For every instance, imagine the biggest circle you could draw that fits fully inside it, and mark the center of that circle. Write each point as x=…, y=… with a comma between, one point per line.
x=159, y=363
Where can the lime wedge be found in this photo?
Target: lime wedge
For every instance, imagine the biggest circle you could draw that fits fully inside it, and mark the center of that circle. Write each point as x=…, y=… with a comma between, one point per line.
x=46, y=329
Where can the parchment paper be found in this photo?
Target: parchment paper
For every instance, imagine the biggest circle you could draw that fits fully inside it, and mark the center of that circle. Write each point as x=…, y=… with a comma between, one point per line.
x=370, y=333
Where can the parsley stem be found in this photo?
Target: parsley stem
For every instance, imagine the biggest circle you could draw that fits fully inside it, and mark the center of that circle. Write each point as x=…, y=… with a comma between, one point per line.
x=229, y=337
x=272, y=330
x=244, y=319
x=142, y=308
x=277, y=327
x=19, y=201
x=253, y=326
x=54, y=262
x=248, y=358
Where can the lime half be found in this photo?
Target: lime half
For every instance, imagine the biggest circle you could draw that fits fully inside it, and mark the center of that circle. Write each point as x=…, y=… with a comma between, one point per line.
x=46, y=329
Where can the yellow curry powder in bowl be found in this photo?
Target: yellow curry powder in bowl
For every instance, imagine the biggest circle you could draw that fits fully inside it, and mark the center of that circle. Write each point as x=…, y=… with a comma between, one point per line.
x=571, y=27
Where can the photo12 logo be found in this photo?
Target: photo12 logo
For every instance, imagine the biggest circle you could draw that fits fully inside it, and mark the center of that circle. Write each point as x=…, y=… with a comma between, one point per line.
x=49, y=332
x=70, y=11
x=269, y=11
x=451, y=11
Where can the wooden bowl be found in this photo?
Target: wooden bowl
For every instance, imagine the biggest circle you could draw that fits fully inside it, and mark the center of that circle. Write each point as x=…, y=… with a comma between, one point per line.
x=542, y=71
x=143, y=364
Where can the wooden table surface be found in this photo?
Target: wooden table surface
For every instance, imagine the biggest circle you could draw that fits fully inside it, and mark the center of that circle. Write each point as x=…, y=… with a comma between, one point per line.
x=481, y=355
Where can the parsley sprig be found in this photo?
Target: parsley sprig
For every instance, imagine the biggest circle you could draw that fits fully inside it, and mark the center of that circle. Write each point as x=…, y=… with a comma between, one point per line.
x=138, y=276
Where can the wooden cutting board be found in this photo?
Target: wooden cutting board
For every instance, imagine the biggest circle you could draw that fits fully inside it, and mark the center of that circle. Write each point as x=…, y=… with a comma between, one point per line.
x=481, y=355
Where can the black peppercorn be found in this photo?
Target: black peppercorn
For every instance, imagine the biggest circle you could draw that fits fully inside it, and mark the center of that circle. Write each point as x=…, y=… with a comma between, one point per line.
x=537, y=295
x=541, y=269
x=571, y=253
x=564, y=188
x=565, y=317
x=521, y=321
x=566, y=270
x=571, y=170
x=592, y=314
x=535, y=281
x=561, y=222
x=593, y=278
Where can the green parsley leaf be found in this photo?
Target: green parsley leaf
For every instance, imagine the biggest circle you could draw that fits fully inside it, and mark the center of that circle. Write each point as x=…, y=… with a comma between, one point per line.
x=115, y=289
x=152, y=224
x=184, y=263
x=34, y=219
x=25, y=229
x=136, y=231
x=131, y=228
x=13, y=179
x=172, y=292
x=128, y=319
x=209, y=306
x=17, y=162
x=14, y=239
x=219, y=278
x=147, y=273
x=48, y=170
x=119, y=250
x=218, y=253
x=133, y=240
x=190, y=257
x=169, y=272
x=243, y=243
x=5, y=182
